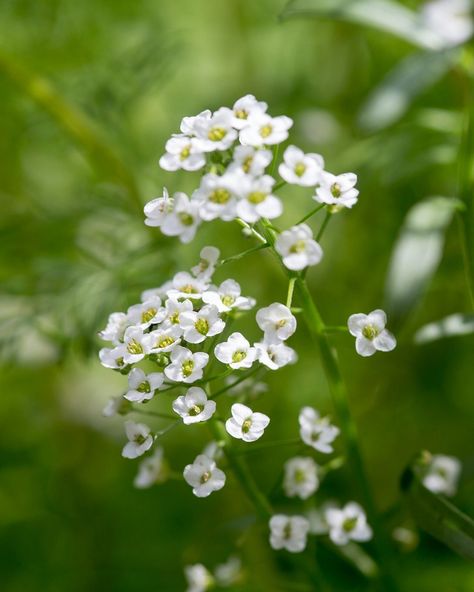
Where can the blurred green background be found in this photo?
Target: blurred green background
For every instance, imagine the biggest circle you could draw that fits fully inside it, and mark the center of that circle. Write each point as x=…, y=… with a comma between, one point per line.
x=90, y=91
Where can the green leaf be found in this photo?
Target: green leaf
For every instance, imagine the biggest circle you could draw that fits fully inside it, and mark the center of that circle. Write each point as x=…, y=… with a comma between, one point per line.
x=390, y=100
x=452, y=326
x=384, y=15
x=417, y=253
x=438, y=517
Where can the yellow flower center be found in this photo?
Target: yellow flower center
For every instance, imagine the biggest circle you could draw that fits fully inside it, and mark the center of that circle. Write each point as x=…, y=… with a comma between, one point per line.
x=298, y=247
x=241, y=114
x=185, y=152
x=300, y=169
x=216, y=134
x=187, y=368
x=186, y=219
x=164, y=342
x=227, y=300
x=336, y=190
x=370, y=332
x=147, y=315
x=219, y=196
x=247, y=164
x=202, y=326
x=205, y=477
x=256, y=197
x=144, y=387
x=195, y=410
x=266, y=130
x=349, y=524
x=238, y=356
x=133, y=347
x=246, y=425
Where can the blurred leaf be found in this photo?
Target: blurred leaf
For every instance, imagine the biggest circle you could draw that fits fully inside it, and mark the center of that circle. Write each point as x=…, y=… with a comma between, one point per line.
x=390, y=100
x=438, y=517
x=456, y=324
x=384, y=15
x=417, y=253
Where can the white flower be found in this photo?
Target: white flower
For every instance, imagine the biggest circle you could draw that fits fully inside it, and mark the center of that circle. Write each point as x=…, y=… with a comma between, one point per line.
x=263, y=129
x=197, y=326
x=213, y=450
x=136, y=347
x=317, y=431
x=116, y=405
x=183, y=220
x=216, y=197
x=142, y=386
x=299, y=168
x=198, y=577
x=174, y=309
x=274, y=355
x=163, y=339
x=257, y=200
x=298, y=248
x=140, y=439
x=288, y=532
x=112, y=357
x=442, y=474
x=227, y=297
x=228, y=573
x=187, y=286
x=194, y=406
x=203, y=476
x=301, y=477
x=207, y=264
x=236, y=352
x=249, y=160
x=215, y=133
x=182, y=152
x=370, y=333
x=245, y=424
x=116, y=325
x=449, y=19
x=188, y=124
x=151, y=470
x=157, y=209
x=348, y=523
x=276, y=321
x=147, y=313
x=337, y=189
x=186, y=366
x=244, y=108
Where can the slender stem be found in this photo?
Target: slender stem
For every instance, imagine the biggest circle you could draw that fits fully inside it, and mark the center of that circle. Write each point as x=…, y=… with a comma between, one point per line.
x=279, y=185
x=291, y=287
x=153, y=413
x=276, y=149
x=247, y=252
x=315, y=211
x=323, y=226
x=250, y=229
x=230, y=386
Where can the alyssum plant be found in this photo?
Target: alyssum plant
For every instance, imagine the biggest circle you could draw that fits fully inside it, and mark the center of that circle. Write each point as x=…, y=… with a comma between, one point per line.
x=178, y=339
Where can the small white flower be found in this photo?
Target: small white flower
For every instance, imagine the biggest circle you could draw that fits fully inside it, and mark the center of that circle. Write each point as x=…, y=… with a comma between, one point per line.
x=449, y=19
x=370, y=333
x=348, y=523
x=187, y=286
x=163, y=339
x=236, y=352
x=147, y=313
x=257, y=200
x=184, y=219
x=112, y=357
x=442, y=474
x=244, y=108
x=207, y=264
x=216, y=197
x=116, y=406
x=301, y=477
x=194, y=406
x=262, y=129
x=250, y=161
x=157, y=209
x=228, y=573
x=188, y=124
x=317, y=518
x=298, y=248
x=142, y=386
x=186, y=366
x=204, y=476
x=151, y=470
x=182, y=152
x=140, y=439
x=288, y=532
x=215, y=133
x=227, y=297
x=317, y=431
x=276, y=321
x=174, y=309
x=198, y=577
x=245, y=424
x=274, y=355
x=197, y=326
x=136, y=347
x=337, y=189
x=299, y=168
x=116, y=325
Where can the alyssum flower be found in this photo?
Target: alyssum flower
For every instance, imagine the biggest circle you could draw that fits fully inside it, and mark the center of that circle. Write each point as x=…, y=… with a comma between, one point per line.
x=151, y=470
x=245, y=424
x=297, y=248
x=194, y=406
x=301, y=477
x=143, y=386
x=204, y=476
x=140, y=439
x=288, y=532
x=299, y=168
x=276, y=321
x=236, y=352
x=370, y=333
x=186, y=366
x=316, y=431
x=442, y=474
x=348, y=523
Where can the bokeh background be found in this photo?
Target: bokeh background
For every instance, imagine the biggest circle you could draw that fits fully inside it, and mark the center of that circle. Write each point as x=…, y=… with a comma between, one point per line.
x=90, y=91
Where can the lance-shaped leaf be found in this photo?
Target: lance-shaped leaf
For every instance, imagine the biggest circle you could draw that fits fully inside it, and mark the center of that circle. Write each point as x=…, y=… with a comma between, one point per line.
x=384, y=15
x=390, y=100
x=417, y=253
x=451, y=326
x=438, y=517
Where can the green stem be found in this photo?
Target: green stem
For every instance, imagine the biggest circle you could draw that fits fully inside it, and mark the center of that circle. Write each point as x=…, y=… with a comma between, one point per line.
x=247, y=252
x=153, y=413
x=315, y=211
x=291, y=287
x=323, y=226
x=230, y=386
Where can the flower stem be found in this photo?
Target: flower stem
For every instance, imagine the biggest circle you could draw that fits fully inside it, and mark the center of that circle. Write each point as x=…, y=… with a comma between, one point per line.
x=153, y=413
x=315, y=211
x=236, y=382
x=240, y=255
x=323, y=226
x=291, y=287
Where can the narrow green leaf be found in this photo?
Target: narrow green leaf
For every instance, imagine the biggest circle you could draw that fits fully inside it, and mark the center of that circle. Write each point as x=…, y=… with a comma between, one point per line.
x=417, y=253
x=438, y=517
x=390, y=100
x=452, y=326
x=385, y=15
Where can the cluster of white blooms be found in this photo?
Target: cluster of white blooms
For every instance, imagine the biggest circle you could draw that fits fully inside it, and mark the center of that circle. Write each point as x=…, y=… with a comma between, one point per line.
x=200, y=579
